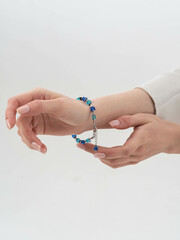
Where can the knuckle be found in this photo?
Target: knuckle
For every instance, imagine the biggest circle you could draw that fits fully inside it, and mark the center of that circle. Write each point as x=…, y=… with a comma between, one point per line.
x=11, y=99
x=38, y=89
x=38, y=105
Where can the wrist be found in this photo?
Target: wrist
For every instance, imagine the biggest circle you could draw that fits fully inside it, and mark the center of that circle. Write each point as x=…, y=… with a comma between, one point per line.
x=110, y=107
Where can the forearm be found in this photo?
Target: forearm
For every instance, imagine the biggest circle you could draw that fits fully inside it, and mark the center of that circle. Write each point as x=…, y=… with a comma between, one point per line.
x=112, y=106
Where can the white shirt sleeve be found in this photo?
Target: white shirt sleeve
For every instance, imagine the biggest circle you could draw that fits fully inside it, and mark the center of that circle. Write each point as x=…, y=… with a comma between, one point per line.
x=165, y=92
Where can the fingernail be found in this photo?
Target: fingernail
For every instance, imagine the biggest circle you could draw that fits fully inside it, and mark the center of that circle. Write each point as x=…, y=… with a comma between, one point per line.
x=81, y=146
x=99, y=155
x=24, y=109
x=36, y=146
x=114, y=123
x=8, y=124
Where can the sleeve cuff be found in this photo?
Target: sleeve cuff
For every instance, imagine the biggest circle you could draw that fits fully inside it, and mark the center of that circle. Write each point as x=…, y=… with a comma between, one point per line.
x=165, y=92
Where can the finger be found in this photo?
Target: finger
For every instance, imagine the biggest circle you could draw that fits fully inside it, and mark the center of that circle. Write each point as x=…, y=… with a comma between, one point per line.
x=89, y=147
x=24, y=98
x=126, y=164
x=114, y=163
x=135, y=141
x=110, y=153
x=24, y=139
x=127, y=121
x=63, y=108
x=19, y=100
x=119, y=161
x=34, y=143
x=118, y=165
x=20, y=133
x=37, y=107
x=29, y=137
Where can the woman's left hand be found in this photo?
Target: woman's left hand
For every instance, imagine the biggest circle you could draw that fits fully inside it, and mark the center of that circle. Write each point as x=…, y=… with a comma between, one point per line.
x=152, y=135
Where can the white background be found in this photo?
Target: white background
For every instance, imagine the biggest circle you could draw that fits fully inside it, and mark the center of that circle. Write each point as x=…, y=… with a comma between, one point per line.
x=92, y=48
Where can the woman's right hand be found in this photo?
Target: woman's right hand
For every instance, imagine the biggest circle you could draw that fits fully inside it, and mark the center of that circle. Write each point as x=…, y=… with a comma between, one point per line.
x=43, y=112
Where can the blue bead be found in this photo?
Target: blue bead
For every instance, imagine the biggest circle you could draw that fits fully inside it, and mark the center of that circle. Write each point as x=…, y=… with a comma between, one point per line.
x=78, y=98
x=74, y=136
x=93, y=116
x=88, y=102
x=87, y=140
x=96, y=148
x=84, y=99
x=82, y=142
x=92, y=108
x=78, y=140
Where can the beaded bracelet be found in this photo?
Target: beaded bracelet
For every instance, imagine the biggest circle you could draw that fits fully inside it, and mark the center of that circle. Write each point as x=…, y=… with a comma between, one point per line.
x=92, y=109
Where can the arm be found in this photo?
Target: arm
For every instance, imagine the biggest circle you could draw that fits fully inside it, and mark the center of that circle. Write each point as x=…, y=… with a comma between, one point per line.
x=112, y=106
x=149, y=138
x=165, y=91
x=160, y=96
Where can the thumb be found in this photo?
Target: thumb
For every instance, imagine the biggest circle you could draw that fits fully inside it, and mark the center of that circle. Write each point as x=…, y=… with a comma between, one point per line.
x=37, y=107
x=127, y=121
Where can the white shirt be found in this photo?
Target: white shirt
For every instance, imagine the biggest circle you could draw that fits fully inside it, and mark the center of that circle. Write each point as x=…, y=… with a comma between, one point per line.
x=165, y=91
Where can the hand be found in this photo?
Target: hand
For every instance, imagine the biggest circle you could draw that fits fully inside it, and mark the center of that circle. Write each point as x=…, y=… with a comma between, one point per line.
x=151, y=136
x=43, y=112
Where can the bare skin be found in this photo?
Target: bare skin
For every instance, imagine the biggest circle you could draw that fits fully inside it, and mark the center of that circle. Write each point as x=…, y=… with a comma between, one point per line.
x=52, y=113
x=151, y=136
